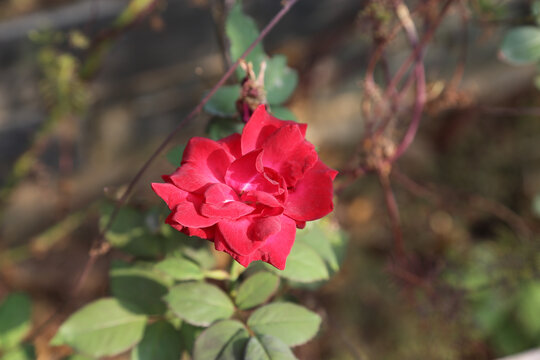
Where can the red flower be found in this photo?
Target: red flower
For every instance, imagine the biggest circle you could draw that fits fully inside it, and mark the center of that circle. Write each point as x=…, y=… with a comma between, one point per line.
x=248, y=193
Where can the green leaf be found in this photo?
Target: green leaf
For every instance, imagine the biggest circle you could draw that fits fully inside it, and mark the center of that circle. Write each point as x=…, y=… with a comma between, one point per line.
x=15, y=313
x=26, y=352
x=529, y=308
x=256, y=290
x=78, y=357
x=224, y=340
x=241, y=31
x=180, y=268
x=174, y=155
x=279, y=80
x=139, y=285
x=303, y=265
x=282, y=113
x=189, y=334
x=134, y=10
x=160, y=341
x=223, y=103
x=193, y=248
x=293, y=324
x=521, y=45
x=535, y=8
x=219, y=128
x=536, y=199
x=199, y=303
x=326, y=239
x=101, y=328
x=129, y=233
x=266, y=347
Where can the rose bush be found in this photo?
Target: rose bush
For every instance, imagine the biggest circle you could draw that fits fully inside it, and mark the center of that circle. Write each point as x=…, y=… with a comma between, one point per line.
x=248, y=193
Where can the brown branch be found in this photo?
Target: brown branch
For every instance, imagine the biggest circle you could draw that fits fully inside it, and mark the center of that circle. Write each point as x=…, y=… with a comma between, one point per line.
x=419, y=72
x=500, y=211
x=393, y=213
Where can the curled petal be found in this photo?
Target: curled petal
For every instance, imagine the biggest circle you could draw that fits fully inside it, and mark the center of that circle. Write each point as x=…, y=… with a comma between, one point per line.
x=255, y=197
x=260, y=126
x=233, y=144
x=234, y=235
x=186, y=214
x=287, y=152
x=170, y=194
x=204, y=233
x=230, y=210
x=246, y=174
x=311, y=198
x=263, y=227
x=275, y=249
x=218, y=194
x=205, y=162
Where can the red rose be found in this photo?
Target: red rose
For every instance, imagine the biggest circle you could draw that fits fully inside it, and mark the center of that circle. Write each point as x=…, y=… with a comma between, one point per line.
x=248, y=193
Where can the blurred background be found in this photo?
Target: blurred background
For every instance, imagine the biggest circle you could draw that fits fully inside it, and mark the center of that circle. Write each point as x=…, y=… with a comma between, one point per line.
x=87, y=95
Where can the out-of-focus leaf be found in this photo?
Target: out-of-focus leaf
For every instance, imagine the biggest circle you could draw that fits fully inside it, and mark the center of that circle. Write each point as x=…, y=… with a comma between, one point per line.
x=224, y=340
x=102, y=328
x=180, y=269
x=15, y=313
x=303, y=265
x=189, y=334
x=266, y=347
x=528, y=309
x=291, y=323
x=26, y=352
x=160, y=341
x=133, y=10
x=174, y=156
x=241, y=31
x=535, y=8
x=219, y=128
x=256, y=289
x=223, y=103
x=282, y=113
x=139, y=285
x=521, y=45
x=128, y=232
x=199, y=303
x=279, y=80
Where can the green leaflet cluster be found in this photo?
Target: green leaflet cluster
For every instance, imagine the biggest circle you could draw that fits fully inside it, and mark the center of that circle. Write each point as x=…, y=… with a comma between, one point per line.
x=279, y=79
x=15, y=323
x=173, y=299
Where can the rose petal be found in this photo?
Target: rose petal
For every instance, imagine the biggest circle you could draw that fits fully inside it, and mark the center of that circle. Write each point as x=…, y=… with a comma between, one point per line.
x=287, y=152
x=204, y=233
x=275, y=250
x=263, y=227
x=171, y=194
x=260, y=126
x=170, y=220
x=245, y=174
x=233, y=145
x=219, y=194
x=255, y=197
x=230, y=210
x=186, y=214
x=205, y=162
x=234, y=234
x=312, y=196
